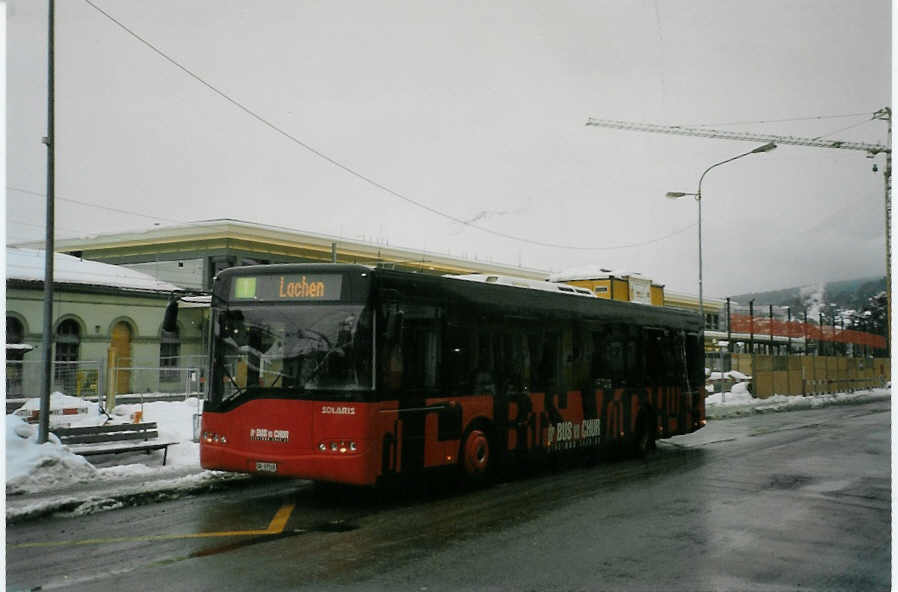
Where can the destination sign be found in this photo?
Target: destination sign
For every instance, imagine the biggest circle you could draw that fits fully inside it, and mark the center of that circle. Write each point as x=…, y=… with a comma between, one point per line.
x=288, y=287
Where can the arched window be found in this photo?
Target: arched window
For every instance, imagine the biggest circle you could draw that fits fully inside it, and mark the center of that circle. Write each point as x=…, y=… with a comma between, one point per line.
x=169, y=352
x=68, y=344
x=15, y=335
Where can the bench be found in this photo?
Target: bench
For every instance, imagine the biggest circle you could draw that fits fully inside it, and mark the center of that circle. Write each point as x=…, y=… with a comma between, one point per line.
x=113, y=439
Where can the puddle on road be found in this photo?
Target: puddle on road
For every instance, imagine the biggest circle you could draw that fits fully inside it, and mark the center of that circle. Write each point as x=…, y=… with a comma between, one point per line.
x=788, y=481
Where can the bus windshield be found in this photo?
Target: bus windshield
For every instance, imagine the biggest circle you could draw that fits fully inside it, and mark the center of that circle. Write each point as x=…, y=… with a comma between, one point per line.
x=304, y=351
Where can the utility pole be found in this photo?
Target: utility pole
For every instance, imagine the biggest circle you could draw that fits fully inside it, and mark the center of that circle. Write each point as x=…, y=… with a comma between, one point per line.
x=751, y=326
x=789, y=331
x=43, y=431
x=729, y=331
x=885, y=114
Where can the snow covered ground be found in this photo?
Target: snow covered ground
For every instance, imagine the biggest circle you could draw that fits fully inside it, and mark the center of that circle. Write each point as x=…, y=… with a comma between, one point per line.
x=42, y=478
x=48, y=476
x=739, y=401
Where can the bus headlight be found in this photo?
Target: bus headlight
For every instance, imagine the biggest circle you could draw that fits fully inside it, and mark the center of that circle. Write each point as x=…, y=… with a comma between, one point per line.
x=213, y=438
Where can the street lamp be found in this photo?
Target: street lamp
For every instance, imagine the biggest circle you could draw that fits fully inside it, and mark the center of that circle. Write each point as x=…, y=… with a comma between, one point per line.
x=698, y=197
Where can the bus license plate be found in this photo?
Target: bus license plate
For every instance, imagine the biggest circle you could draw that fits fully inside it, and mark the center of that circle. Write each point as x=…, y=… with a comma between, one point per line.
x=267, y=467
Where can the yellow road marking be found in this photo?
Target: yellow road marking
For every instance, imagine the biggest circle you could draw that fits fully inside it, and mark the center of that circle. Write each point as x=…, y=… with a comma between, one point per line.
x=276, y=526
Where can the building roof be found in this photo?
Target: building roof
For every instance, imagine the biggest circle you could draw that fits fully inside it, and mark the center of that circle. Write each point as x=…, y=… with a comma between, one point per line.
x=690, y=301
x=207, y=235
x=28, y=265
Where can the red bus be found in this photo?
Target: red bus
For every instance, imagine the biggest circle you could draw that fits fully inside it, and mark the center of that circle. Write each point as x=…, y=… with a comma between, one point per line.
x=352, y=374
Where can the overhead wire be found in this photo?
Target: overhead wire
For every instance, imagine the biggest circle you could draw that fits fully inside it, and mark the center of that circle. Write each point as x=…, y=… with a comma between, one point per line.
x=346, y=168
x=91, y=205
x=24, y=223
x=842, y=129
x=35, y=193
x=788, y=119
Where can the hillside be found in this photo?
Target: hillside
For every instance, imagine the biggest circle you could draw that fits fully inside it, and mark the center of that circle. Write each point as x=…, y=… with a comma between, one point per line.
x=844, y=295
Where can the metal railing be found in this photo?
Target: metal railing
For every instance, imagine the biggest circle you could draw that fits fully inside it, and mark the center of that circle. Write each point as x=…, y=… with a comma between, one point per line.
x=84, y=378
x=188, y=381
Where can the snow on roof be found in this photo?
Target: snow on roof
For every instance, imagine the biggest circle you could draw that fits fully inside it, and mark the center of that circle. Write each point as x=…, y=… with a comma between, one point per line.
x=28, y=264
x=196, y=301
x=19, y=346
x=588, y=272
x=522, y=283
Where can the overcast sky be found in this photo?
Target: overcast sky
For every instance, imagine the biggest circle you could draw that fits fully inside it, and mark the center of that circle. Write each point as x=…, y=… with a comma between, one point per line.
x=474, y=109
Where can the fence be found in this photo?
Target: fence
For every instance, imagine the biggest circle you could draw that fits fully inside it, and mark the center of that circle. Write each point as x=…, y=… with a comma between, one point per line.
x=187, y=381
x=807, y=375
x=80, y=379
x=767, y=324
x=89, y=379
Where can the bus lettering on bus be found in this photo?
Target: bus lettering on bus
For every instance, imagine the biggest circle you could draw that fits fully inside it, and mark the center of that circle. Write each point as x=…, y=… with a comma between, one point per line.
x=266, y=435
x=329, y=410
x=301, y=289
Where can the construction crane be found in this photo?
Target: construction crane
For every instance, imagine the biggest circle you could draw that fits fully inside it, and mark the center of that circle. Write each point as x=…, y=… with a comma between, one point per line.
x=884, y=114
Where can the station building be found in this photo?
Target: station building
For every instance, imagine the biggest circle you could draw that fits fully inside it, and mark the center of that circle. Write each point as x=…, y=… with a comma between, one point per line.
x=108, y=313
x=190, y=255
x=107, y=328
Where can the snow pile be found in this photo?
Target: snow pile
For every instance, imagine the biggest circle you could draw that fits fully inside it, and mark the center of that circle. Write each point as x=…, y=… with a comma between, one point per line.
x=738, y=395
x=740, y=402
x=55, y=479
x=32, y=467
x=65, y=411
x=731, y=375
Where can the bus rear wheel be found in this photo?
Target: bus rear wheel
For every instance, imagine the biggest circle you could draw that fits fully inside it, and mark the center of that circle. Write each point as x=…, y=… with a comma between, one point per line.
x=644, y=438
x=476, y=455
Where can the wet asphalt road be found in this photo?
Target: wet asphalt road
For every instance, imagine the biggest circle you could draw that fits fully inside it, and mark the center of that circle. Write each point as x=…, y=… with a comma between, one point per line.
x=768, y=502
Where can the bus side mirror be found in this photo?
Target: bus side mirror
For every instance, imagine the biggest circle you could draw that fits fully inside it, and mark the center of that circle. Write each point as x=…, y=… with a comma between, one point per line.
x=170, y=318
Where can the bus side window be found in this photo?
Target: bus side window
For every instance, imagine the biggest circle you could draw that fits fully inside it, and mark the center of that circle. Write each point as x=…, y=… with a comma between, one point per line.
x=512, y=357
x=635, y=370
x=544, y=352
x=618, y=357
x=421, y=348
x=411, y=359
x=617, y=361
x=669, y=357
x=654, y=369
x=484, y=375
x=601, y=366
x=391, y=358
x=458, y=360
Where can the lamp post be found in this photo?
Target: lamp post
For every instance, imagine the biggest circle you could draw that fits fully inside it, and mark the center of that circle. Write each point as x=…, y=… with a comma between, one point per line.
x=698, y=198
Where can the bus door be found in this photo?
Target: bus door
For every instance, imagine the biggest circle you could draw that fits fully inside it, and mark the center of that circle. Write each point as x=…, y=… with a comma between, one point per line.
x=410, y=364
x=513, y=407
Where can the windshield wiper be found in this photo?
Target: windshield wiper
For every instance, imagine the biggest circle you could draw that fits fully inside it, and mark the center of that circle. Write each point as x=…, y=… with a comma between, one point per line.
x=237, y=390
x=321, y=364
